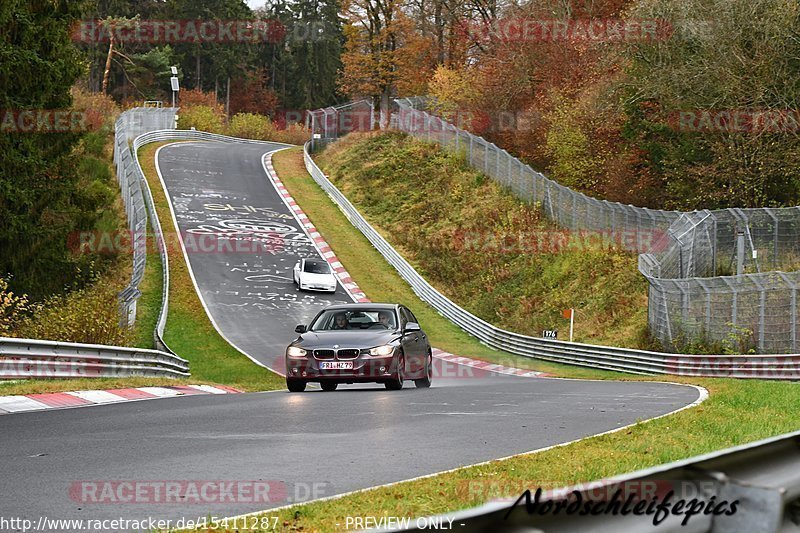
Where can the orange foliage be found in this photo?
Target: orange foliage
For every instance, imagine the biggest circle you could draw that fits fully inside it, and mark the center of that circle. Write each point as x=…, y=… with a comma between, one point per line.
x=196, y=97
x=252, y=94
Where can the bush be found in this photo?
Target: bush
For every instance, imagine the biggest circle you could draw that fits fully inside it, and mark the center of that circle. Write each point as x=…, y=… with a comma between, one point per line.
x=196, y=98
x=101, y=110
x=12, y=308
x=293, y=134
x=202, y=118
x=88, y=315
x=251, y=126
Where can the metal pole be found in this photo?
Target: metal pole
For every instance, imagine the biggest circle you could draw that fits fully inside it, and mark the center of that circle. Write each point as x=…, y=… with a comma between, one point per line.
x=571, y=323
x=739, y=253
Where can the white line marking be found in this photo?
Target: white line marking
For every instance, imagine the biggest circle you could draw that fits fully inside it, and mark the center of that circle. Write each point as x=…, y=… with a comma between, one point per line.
x=703, y=396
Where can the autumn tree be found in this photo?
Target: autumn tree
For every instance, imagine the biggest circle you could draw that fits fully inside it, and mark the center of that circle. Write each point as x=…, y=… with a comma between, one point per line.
x=383, y=55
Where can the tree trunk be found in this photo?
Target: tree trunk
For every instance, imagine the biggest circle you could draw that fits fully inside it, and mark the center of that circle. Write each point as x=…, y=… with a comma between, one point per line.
x=197, y=67
x=439, y=28
x=385, y=108
x=107, y=70
x=228, y=100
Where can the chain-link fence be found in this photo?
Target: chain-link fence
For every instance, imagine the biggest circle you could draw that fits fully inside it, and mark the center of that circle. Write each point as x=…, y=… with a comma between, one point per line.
x=713, y=275
x=130, y=125
x=333, y=122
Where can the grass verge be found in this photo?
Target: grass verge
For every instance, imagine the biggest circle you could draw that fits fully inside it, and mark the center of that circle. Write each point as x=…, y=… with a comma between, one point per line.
x=483, y=247
x=149, y=304
x=738, y=411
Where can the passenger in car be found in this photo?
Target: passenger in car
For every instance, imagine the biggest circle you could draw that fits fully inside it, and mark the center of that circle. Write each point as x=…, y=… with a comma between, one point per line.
x=385, y=318
x=341, y=322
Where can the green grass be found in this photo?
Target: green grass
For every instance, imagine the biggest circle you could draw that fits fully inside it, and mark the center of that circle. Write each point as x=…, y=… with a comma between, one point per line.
x=737, y=412
x=149, y=304
x=482, y=246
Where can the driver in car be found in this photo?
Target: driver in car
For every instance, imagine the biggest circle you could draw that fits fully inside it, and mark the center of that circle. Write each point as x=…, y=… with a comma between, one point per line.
x=341, y=322
x=385, y=318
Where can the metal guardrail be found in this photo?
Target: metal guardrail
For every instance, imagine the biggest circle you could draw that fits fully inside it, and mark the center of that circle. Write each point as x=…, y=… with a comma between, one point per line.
x=27, y=358
x=130, y=125
x=762, y=477
x=780, y=367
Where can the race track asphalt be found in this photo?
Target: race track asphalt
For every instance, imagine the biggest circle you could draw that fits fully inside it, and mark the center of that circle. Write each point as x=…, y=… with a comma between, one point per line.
x=308, y=445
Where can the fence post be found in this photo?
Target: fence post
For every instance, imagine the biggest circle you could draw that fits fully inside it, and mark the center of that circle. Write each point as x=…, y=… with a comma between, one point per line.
x=428, y=125
x=791, y=284
x=739, y=253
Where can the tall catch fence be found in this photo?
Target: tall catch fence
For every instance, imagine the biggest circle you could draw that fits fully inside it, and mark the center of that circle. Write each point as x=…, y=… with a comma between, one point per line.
x=721, y=276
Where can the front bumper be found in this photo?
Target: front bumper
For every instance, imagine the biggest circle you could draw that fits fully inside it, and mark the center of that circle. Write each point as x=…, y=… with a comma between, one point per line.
x=317, y=288
x=366, y=369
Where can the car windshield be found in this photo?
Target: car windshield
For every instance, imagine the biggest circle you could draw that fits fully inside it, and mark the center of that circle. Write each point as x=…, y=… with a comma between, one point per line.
x=317, y=267
x=339, y=319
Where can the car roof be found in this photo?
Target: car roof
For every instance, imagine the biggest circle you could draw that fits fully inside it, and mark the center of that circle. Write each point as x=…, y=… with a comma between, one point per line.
x=363, y=306
x=314, y=260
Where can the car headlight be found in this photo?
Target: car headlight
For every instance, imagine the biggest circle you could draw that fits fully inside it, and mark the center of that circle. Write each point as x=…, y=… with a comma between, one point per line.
x=295, y=351
x=385, y=350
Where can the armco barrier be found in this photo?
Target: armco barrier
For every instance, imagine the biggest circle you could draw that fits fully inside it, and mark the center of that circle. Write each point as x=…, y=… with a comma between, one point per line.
x=26, y=358
x=763, y=478
x=782, y=366
x=130, y=125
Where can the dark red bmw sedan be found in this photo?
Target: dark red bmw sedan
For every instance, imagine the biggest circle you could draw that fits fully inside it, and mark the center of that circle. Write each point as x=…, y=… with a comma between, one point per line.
x=360, y=343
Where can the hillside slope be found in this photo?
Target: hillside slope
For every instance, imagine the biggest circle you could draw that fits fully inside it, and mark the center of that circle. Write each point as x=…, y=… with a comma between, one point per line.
x=486, y=249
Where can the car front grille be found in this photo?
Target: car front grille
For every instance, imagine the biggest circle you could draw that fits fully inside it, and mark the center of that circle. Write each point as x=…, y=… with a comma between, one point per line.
x=349, y=353
x=323, y=354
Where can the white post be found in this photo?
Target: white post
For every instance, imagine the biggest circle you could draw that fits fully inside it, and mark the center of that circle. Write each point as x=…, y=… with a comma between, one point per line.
x=571, y=323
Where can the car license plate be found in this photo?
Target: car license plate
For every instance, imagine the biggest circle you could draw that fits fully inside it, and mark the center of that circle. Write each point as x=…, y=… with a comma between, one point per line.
x=337, y=365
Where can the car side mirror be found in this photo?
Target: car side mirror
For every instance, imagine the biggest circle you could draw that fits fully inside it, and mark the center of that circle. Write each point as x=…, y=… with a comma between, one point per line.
x=412, y=326
x=300, y=328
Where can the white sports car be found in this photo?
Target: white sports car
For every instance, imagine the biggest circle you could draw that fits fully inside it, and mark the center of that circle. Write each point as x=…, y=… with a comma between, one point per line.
x=314, y=275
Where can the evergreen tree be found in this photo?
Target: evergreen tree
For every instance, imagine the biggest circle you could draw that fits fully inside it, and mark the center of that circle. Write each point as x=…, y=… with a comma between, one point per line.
x=40, y=201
